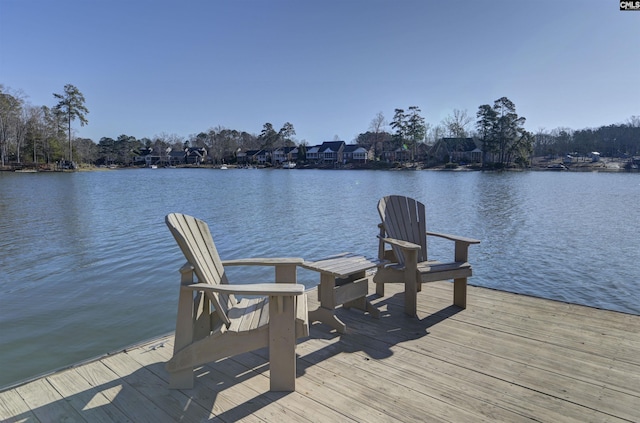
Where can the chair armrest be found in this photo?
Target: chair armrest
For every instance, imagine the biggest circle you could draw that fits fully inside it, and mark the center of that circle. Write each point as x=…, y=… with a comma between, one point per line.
x=271, y=289
x=285, y=267
x=263, y=261
x=462, y=244
x=400, y=243
x=455, y=238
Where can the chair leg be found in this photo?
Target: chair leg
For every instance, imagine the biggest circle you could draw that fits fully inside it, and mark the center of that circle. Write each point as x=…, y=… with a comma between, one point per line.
x=188, y=312
x=460, y=292
x=411, y=294
x=380, y=289
x=282, y=344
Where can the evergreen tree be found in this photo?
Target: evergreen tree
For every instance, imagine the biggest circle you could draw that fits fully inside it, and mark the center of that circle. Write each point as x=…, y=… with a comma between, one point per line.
x=503, y=135
x=71, y=106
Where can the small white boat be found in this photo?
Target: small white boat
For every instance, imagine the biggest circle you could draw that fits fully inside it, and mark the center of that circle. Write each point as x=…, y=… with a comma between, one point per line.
x=289, y=165
x=154, y=166
x=224, y=167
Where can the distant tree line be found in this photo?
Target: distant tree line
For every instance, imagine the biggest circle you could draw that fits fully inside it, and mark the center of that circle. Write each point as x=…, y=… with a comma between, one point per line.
x=36, y=134
x=43, y=135
x=500, y=134
x=499, y=130
x=620, y=140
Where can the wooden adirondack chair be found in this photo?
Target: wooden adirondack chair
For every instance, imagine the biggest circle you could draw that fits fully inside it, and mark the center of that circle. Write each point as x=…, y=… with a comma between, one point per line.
x=404, y=228
x=212, y=324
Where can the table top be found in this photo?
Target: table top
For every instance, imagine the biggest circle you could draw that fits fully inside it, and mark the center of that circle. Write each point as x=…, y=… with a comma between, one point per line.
x=342, y=265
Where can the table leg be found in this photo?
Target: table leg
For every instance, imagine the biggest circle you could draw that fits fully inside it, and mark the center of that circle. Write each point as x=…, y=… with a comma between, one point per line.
x=327, y=317
x=363, y=304
x=351, y=292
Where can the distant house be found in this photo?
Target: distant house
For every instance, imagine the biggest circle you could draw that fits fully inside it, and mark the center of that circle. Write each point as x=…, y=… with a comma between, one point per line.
x=146, y=157
x=327, y=152
x=354, y=153
x=422, y=152
x=248, y=157
x=241, y=156
x=284, y=154
x=331, y=152
x=294, y=154
x=313, y=153
x=457, y=150
x=263, y=157
x=192, y=155
x=195, y=155
x=176, y=157
x=400, y=154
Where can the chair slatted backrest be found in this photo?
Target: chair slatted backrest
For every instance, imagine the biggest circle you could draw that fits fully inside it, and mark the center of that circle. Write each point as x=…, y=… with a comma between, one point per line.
x=195, y=241
x=404, y=218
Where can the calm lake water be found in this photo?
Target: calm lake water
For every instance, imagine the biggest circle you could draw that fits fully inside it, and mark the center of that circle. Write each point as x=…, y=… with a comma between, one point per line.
x=87, y=265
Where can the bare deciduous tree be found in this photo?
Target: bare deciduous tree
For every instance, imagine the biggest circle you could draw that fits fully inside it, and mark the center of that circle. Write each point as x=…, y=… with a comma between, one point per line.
x=377, y=128
x=456, y=124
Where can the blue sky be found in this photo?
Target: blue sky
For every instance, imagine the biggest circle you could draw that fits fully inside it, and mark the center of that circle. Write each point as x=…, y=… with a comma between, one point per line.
x=148, y=67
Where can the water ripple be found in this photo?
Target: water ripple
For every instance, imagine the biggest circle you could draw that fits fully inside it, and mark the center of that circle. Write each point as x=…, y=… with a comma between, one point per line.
x=90, y=267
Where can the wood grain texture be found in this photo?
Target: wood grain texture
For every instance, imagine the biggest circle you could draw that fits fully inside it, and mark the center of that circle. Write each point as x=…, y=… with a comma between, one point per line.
x=505, y=358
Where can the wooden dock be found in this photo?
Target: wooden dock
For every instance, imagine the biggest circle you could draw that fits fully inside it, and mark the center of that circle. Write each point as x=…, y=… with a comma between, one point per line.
x=506, y=358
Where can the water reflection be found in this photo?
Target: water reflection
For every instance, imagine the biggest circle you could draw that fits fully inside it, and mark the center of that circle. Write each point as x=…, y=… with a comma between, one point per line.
x=89, y=266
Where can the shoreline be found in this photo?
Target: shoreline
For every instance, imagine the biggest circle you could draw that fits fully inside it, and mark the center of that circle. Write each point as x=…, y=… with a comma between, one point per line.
x=538, y=164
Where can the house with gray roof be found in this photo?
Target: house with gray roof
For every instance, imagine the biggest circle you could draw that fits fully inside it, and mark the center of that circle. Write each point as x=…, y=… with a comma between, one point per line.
x=457, y=150
x=354, y=153
x=331, y=151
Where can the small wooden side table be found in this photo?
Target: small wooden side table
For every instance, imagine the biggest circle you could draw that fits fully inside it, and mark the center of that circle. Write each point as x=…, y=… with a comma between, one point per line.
x=343, y=281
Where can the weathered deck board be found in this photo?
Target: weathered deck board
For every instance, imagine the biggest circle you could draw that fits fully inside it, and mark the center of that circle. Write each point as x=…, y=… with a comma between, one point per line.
x=506, y=357
x=538, y=366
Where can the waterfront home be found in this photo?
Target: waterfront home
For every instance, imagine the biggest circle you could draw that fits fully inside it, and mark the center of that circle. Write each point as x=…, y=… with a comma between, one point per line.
x=285, y=154
x=195, y=155
x=247, y=157
x=354, y=153
x=313, y=153
x=175, y=157
x=190, y=155
x=331, y=151
x=400, y=154
x=457, y=150
x=261, y=157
